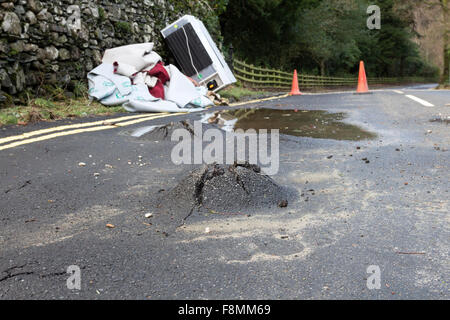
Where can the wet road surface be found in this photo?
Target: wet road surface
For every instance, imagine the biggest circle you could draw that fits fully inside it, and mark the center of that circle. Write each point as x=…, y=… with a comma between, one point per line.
x=382, y=201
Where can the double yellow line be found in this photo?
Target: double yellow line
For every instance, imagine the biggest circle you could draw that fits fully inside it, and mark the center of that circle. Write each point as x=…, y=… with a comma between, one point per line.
x=258, y=100
x=55, y=132
x=66, y=130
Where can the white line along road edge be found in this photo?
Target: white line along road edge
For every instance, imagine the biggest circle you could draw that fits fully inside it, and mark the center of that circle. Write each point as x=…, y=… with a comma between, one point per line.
x=422, y=102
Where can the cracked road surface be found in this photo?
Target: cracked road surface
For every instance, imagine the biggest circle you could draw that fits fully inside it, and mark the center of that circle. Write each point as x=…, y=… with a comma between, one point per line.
x=389, y=210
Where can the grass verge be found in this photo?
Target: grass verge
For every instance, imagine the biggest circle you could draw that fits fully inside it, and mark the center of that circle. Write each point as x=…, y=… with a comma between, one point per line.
x=57, y=106
x=46, y=110
x=235, y=93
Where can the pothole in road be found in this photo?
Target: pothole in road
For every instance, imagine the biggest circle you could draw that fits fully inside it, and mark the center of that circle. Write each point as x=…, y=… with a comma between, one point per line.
x=164, y=132
x=301, y=123
x=160, y=132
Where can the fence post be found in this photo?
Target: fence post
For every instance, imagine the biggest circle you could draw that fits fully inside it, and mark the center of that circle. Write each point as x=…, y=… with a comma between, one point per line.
x=230, y=58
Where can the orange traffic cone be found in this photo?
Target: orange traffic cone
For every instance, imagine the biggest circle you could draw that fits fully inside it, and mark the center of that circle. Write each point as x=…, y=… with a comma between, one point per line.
x=295, y=91
x=362, y=80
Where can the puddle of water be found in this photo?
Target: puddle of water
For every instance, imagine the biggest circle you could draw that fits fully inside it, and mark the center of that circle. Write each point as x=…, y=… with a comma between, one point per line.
x=301, y=123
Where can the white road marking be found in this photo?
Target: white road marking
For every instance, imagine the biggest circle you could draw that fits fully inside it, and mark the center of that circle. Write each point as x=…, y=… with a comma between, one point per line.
x=399, y=91
x=421, y=101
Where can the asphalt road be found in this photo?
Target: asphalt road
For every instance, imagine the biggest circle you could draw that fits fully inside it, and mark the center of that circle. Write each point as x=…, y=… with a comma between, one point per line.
x=349, y=214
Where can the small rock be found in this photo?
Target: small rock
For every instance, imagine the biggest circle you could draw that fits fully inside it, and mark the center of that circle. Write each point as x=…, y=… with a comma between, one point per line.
x=43, y=15
x=11, y=23
x=35, y=5
x=207, y=230
x=81, y=164
x=64, y=54
x=51, y=53
x=149, y=215
x=31, y=17
x=109, y=225
x=283, y=204
x=30, y=47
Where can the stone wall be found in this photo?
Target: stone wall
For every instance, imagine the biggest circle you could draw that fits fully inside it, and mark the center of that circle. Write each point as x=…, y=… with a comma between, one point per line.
x=58, y=42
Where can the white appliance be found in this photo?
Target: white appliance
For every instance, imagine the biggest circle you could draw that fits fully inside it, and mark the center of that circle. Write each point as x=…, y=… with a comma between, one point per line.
x=197, y=54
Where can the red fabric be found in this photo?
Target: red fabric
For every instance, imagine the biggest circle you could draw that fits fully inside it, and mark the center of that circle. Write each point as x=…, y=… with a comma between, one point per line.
x=160, y=72
x=158, y=90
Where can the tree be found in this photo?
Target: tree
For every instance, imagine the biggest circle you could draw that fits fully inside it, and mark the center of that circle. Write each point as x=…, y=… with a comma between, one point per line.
x=322, y=36
x=329, y=33
x=445, y=6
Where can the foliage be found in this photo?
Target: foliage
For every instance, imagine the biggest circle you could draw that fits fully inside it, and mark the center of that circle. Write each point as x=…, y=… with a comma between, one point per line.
x=326, y=37
x=101, y=14
x=122, y=27
x=80, y=89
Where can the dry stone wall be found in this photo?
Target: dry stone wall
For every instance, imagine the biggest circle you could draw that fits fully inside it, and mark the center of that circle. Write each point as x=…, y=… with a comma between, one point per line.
x=57, y=42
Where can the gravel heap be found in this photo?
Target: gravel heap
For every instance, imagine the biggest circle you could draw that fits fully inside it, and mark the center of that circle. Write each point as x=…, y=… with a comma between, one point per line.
x=226, y=188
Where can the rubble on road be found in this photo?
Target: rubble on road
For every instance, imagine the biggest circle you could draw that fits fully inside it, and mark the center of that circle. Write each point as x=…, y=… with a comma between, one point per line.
x=226, y=188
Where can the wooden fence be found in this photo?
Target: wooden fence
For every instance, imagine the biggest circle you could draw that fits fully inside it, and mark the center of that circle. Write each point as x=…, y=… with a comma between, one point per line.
x=257, y=77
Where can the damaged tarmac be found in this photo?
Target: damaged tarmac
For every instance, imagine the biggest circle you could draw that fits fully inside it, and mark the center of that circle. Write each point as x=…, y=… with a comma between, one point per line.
x=343, y=213
x=237, y=189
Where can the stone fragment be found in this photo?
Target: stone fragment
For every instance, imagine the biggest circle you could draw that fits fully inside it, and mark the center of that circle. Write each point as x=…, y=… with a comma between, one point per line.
x=11, y=24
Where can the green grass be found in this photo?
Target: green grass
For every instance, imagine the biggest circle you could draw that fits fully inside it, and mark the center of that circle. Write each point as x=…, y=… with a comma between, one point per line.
x=445, y=86
x=122, y=27
x=239, y=93
x=47, y=110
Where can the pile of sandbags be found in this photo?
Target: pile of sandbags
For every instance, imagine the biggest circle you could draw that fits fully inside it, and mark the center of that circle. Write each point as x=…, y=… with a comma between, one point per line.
x=135, y=76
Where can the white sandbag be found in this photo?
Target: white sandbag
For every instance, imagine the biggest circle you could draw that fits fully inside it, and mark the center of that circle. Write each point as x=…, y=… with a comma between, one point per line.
x=202, y=101
x=138, y=56
x=116, y=88
x=103, y=82
x=114, y=99
x=151, y=106
x=180, y=89
x=140, y=100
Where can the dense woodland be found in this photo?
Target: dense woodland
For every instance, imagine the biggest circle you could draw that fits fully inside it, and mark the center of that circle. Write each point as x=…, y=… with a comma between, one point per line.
x=329, y=37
